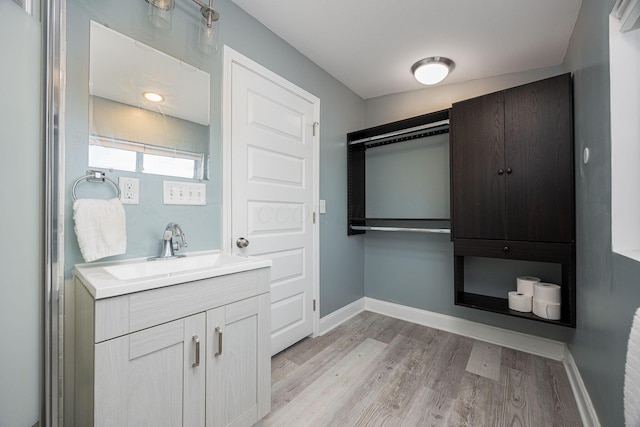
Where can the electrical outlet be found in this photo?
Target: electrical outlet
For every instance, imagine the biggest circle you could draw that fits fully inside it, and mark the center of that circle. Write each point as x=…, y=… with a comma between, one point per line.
x=184, y=193
x=129, y=190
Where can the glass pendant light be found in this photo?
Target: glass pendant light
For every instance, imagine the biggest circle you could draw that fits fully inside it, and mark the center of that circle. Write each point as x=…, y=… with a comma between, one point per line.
x=208, y=34
x=160, y=13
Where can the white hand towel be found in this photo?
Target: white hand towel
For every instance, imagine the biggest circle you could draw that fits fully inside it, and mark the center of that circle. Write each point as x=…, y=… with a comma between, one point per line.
x=100, y=227
x=632, y=376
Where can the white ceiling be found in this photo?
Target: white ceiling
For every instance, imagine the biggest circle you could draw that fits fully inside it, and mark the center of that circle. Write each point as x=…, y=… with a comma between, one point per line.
x=122, y=68
x=370, y=45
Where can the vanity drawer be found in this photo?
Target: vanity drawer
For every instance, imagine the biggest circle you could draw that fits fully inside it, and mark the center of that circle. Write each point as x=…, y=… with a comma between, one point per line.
x=133, y=312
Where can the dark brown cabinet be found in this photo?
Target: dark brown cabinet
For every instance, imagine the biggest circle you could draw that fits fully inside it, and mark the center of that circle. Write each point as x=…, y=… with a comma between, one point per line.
x=512, y=183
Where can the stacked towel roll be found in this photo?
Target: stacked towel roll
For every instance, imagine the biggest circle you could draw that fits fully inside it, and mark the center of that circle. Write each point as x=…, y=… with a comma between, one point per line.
x=521, y=299
x=546, y=300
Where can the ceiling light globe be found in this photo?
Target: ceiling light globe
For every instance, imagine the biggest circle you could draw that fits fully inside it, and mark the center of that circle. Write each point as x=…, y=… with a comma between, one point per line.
x=430, y=71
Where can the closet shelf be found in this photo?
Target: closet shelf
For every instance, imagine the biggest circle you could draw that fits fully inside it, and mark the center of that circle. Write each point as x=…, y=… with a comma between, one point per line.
x=408, y=229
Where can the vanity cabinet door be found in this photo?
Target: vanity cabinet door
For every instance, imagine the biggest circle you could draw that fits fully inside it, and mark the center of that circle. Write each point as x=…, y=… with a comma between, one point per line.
x=152, y=377
x=239, y=363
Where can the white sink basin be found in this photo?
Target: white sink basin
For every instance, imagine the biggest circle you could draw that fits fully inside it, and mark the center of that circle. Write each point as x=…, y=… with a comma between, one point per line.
x=151, y=268
x=111, y=279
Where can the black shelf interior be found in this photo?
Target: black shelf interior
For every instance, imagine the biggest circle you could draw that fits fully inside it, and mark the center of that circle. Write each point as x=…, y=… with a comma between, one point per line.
x=403, y=222
x=501, y=306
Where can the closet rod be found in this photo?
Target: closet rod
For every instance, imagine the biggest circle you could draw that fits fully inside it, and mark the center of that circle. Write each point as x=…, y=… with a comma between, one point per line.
x=441, y=123
x=412, y=230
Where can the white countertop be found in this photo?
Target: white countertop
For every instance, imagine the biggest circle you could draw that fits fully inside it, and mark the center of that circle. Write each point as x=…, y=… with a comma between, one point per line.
x=111, y=279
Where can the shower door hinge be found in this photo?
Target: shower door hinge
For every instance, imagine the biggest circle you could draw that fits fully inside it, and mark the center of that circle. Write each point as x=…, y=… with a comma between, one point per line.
x=314, y=305
x=315, y=128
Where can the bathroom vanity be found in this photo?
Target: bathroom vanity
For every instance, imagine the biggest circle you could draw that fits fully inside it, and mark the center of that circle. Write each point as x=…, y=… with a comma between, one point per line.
x=181, y=342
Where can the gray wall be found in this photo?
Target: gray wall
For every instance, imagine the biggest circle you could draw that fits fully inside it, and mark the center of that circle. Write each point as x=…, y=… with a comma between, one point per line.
x=608, y=290
x=21, y=251
x=341, y=259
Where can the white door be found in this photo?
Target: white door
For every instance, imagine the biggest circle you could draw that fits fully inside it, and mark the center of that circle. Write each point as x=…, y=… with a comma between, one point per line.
x=274, y=188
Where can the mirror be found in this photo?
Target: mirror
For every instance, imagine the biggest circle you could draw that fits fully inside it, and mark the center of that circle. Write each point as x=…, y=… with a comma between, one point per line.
x=149, y=112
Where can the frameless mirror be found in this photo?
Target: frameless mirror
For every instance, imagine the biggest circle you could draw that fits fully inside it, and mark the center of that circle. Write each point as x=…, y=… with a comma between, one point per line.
x=149, y=112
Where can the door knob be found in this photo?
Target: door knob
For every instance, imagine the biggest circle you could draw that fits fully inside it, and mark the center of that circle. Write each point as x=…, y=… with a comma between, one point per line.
x=242, y=243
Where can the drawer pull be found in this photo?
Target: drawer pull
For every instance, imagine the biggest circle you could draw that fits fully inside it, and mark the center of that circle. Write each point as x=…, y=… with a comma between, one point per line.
x=196, y=340
x=219, y=332
x=505, y=249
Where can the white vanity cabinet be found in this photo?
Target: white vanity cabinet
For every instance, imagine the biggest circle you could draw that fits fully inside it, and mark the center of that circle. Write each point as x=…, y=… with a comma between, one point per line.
x=188, y=354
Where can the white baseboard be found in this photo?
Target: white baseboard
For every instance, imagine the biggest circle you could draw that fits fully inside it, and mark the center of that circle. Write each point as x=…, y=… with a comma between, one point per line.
x=528, y=343
x=341, y=315
x=544, y=347
x=585, y=406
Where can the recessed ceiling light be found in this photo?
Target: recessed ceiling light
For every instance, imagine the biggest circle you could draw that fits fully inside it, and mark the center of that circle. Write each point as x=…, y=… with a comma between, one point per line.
x=430, y=71
x=152, y=96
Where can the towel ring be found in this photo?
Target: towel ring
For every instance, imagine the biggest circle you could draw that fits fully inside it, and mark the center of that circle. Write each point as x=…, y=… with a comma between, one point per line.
x=94, y=176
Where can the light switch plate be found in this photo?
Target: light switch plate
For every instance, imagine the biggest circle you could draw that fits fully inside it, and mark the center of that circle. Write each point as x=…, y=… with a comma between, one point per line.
x=323, y=206
x=129, y=190
x=184, y=193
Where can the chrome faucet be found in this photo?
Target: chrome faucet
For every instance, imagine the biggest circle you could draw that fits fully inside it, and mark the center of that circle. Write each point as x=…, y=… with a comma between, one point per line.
x=171, y=245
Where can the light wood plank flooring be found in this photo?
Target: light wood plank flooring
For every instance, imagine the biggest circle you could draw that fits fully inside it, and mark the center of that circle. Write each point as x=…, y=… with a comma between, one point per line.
x=374, y=370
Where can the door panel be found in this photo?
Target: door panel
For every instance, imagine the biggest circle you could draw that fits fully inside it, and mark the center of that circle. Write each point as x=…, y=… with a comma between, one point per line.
x=234, y=388
x=149, y=377
x=272, y=186
x=540, y=195
x=477, y=157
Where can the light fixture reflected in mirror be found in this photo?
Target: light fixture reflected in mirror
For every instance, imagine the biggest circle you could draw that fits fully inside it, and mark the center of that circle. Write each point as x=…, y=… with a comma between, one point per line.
x=153, y=96
x=430, y=71
x=160, y=14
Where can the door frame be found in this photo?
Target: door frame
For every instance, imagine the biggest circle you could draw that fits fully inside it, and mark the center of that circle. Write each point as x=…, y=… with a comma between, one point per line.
x=230, y=57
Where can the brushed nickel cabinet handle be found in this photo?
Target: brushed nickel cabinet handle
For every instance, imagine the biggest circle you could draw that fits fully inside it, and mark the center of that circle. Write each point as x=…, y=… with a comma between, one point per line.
x=196, y=340
x=219, y=332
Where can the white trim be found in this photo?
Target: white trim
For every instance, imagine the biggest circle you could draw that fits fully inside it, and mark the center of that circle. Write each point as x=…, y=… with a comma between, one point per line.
x=231, y=56
x=580, y=393
x=341, y=315
x=528, y=343
x=544, y=347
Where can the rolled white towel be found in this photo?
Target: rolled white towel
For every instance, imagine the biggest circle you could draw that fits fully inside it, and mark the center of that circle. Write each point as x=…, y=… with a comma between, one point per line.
x=100, y=227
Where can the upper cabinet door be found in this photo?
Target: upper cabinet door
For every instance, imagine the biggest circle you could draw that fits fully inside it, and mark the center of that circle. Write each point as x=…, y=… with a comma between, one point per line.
x=477, y=168
x=539, y=161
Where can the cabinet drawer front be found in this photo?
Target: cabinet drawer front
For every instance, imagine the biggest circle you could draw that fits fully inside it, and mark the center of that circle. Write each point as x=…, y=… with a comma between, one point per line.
x=531, y=251
x=162, y=305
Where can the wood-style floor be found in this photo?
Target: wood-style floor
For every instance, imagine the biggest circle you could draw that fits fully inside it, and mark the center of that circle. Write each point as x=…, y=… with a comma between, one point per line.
x=374, y=370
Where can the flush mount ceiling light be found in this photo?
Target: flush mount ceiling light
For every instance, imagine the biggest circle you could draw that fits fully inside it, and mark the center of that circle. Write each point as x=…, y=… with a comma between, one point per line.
x=152, y=96
x=430, y=71
x=160, y=15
